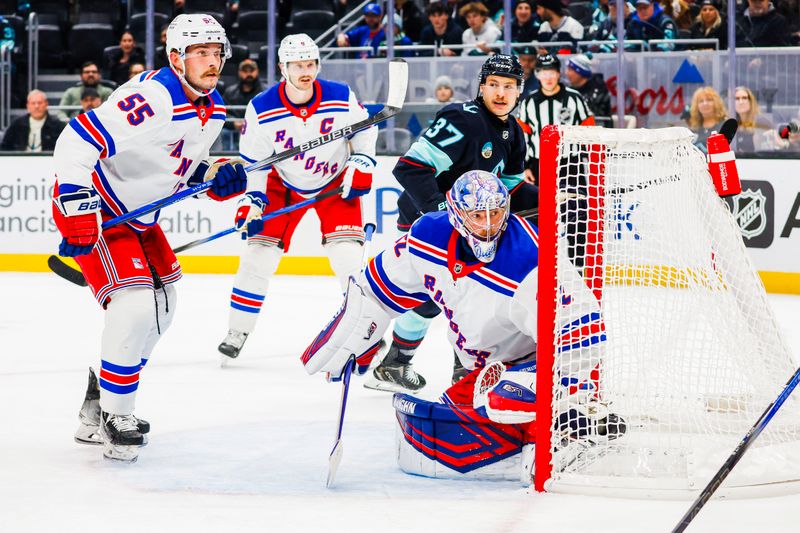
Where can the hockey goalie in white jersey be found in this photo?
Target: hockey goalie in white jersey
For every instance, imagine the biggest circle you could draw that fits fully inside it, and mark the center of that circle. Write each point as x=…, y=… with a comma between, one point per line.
x=148, y=141
x=479, y=265
x=297, y=110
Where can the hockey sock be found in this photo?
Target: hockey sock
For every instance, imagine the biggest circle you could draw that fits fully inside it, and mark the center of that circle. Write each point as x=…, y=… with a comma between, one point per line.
x=409, y=330
x=345, y=258
x=257, y=265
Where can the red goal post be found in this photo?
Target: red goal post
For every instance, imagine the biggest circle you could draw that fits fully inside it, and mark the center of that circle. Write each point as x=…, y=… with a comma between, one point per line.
x=691, y=353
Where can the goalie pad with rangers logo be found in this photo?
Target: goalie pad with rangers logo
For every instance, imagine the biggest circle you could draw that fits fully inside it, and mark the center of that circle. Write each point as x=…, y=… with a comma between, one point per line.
x=356, y=330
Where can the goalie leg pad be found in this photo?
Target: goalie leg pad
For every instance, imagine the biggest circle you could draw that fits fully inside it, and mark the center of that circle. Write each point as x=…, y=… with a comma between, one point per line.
x=447, y=440
x=356, y=330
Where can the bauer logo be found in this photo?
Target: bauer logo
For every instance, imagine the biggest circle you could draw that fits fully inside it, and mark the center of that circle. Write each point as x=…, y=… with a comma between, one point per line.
x=754, y=212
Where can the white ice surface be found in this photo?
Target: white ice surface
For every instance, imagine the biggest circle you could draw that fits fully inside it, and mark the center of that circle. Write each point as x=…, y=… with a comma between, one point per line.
x=245, y=448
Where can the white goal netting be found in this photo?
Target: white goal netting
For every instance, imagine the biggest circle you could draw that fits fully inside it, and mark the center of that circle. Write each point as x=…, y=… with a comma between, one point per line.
x=692, y=354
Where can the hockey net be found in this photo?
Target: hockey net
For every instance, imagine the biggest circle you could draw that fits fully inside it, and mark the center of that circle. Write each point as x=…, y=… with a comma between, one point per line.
x=690, y=355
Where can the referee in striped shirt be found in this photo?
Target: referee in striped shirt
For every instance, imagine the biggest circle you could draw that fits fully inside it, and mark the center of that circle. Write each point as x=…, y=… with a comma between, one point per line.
x=553, y=103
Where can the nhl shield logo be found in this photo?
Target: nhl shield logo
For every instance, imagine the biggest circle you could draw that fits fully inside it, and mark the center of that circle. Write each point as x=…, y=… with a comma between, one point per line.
x=202, y=112
x=749, y=210
x=505, y=135
x=457, y=268
x=304, y=112
x=486, y=151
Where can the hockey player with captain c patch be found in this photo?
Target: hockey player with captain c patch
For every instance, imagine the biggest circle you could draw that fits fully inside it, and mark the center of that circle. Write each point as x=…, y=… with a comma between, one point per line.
x=478, y=265
x=297, y=110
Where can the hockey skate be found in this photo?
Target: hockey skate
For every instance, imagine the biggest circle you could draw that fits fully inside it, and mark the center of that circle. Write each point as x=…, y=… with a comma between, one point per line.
x=121, y=437
x=591, y=423
x=88, y=431
x=394, y=377
x=232, y=345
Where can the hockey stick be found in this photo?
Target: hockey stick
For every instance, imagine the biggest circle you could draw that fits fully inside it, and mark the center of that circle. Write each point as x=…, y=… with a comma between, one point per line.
x=737, y=453
x=398, y=84
x=76, y=276
x=336, y=453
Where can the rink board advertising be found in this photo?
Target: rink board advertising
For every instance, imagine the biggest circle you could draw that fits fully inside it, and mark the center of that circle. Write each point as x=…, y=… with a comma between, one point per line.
x=767, y=212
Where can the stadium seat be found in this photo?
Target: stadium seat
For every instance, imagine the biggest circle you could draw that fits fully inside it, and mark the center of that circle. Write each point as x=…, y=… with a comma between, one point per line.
x=51, y=46
x=252, y=5
x=51, y=11
x=203, y=6
x=87, y=42
x=312, y=5
x=252, y=31
x=160, y=6
x=312, y=22
x=94, y=17
x=137, y=25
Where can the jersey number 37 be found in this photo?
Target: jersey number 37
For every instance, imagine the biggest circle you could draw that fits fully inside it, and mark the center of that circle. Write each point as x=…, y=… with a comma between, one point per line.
x=137, y=113
x=446, y=140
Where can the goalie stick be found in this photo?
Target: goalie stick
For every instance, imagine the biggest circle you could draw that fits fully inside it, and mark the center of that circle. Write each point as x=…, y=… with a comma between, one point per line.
x=398, y=84
x=76, y=276
x=737, y=453
x=336, y=452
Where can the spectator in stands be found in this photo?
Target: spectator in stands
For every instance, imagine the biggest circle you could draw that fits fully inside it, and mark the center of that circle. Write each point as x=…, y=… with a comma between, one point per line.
x=38, y=130
x=482, y=30
x=135, y=70
x=524, y=26
x=442, y=90
x=710, y=24
x=556, y=25
x=650, y=22
x=601, y=12
x=240, y=95
x=90, y=99
x=411, y=17
x=706, y=115
x=440, y=30
x=400, y=38
x=8, y=37
x=761, y=25
x=120, y=59
x=527, y=58
x=756, y=132
x=607, y=29
x=591, y=85
x=679, y=12
x=369, y=34
x=90, y=77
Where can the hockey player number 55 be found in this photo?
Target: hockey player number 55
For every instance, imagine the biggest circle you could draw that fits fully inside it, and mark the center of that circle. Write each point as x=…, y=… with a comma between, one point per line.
x=136, y=116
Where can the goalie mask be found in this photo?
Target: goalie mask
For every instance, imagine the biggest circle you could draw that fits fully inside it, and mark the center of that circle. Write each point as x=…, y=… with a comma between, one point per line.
x=188, y=30
x=298, y=47
x=478, y=208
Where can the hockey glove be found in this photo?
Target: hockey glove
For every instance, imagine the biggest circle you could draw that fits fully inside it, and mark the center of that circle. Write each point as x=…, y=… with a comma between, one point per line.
x=228, y=175
x=357, y=176
x=77, y=215
x=248, y=215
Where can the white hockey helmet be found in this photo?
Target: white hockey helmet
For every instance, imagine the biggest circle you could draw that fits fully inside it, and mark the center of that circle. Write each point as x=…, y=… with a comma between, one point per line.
x=187, y=30
x=298, y=47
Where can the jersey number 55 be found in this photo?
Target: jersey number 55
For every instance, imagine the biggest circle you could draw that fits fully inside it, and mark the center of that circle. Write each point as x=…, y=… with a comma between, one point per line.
x=137, y=114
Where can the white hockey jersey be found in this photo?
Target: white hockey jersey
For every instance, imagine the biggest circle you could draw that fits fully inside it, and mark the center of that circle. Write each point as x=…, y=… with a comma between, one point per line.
x=273, y=124
x=142, y=144
x=491, y=307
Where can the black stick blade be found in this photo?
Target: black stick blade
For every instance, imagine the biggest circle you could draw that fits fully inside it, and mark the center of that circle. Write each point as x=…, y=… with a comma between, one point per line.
x=65, y=271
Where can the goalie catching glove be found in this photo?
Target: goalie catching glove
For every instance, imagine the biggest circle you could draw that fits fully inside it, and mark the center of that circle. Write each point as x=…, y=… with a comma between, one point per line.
x=357, y=179
x=356, y=330
x=77, y=216
x=249, y=213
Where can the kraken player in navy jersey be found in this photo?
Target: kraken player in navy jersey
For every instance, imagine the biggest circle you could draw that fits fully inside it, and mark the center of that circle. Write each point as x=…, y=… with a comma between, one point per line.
x=480, y=134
